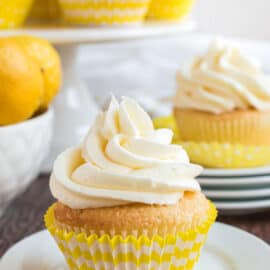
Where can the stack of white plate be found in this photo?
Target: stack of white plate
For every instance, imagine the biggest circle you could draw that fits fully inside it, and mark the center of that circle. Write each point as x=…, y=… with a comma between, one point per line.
x=237, y=191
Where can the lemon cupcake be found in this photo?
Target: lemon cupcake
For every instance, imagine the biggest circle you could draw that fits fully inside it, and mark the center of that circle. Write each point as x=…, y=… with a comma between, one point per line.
x=104, y=12
x=45, y=11
x=223, y=97
x=169, y=10
x=127, y=197
x=13, y=12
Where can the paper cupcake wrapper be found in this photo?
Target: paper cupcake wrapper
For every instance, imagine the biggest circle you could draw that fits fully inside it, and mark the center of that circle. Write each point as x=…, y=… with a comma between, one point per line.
x=13, y=12
x=247, y=128
x=108, y=12
x=218, y=155
x=225, y=155
x=91, y=252
x=169, y=9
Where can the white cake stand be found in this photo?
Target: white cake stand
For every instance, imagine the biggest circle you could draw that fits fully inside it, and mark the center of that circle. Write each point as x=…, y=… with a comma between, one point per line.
x=74, y=107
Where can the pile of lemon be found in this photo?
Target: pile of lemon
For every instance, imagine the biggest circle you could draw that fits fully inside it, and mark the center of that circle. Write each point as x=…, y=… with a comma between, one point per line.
x=30, y=77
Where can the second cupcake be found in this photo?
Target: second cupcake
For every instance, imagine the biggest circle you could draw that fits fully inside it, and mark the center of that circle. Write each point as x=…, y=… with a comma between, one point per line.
x=224, y=98
x=127, y=197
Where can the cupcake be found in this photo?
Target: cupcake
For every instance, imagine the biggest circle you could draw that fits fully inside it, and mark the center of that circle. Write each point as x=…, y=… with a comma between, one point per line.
x=13, y=12
x=45, y=11
x=169, y=10
x=223, y=97
x=104, y=12
x=127, y=197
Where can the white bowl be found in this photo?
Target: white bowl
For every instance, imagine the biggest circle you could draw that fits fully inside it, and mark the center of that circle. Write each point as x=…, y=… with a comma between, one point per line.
x=23, y=148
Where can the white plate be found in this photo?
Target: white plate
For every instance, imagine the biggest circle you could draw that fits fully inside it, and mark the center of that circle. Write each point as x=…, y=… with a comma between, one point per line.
x=242, y=207
x=235, y=181
x=64, y=35
x=238, y=194
x=229, y=248
x=246, y=252
x=236, y=172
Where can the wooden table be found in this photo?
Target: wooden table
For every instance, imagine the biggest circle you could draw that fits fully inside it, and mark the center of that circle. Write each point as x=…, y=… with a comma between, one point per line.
x=24, y=216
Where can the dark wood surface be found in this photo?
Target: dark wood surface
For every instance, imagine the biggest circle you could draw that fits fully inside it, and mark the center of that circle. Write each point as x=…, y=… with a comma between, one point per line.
x=24, y=216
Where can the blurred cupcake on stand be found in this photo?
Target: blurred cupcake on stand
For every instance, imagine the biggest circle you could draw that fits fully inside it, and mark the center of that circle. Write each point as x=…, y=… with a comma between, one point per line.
x=104, y=12
x=13, y=12
x=169, y=10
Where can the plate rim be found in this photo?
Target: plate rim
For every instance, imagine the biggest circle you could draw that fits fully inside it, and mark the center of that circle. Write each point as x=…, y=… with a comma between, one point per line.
x=238, y=194
x=70, y=35
x=239, y=230
x=242, y=238
x=219, y=172
x=235, y=181
x=243, y=205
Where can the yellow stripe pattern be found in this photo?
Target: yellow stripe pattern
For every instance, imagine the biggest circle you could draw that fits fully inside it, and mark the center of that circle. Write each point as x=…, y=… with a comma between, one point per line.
x=108, y=12
x=218, y=155
x=90, y=252
x=226, y=155
x=13, y=12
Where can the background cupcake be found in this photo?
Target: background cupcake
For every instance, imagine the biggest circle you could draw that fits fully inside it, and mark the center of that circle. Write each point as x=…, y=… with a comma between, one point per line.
x=127, y=197
x=104, y=12
x=223, y=97
x=13, y=12
x=169, y=9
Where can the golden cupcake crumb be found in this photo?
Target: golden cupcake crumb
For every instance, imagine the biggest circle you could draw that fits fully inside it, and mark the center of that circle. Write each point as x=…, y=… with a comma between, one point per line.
x=190, y=212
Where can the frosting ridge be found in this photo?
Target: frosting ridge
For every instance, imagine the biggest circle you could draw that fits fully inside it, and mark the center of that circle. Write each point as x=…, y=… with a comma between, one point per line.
x=222, y=80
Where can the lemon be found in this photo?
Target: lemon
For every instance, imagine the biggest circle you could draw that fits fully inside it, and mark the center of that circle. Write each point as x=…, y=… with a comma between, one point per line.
x=47, y=58
x=21, y=83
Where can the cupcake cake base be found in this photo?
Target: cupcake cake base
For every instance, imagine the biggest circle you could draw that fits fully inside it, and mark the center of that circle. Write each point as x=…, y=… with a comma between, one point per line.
x=249, y=127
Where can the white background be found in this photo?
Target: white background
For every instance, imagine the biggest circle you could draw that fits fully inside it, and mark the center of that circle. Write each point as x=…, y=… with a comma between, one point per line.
x=241, y=18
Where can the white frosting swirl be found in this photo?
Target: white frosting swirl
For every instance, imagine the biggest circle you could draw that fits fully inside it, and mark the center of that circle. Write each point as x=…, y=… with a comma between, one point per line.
x=123, y=160
x=221, y=81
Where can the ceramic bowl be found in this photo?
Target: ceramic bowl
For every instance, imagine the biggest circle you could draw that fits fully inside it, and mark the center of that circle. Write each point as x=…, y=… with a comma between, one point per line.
x=23, y=148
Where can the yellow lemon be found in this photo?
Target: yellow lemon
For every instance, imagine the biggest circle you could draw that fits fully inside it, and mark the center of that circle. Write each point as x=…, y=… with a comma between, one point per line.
x=47, y=58
x=21, y=83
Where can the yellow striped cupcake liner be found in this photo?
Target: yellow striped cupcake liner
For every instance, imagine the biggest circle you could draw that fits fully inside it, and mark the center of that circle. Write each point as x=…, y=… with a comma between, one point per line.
x=171, y=252
x=218, y=155
x=225, y=155
x=169, y=9
x=13, y=12
x=104, y=12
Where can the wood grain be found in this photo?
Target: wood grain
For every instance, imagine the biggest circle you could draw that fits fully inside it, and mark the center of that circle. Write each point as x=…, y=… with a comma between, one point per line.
x=24, y=216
